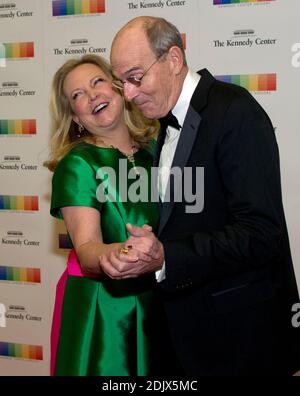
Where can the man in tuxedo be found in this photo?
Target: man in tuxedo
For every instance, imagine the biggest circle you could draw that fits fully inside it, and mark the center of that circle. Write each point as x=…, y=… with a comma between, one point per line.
x=225, y=271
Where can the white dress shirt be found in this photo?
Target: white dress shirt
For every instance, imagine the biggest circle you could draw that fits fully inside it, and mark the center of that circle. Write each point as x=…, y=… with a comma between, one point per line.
x=171, y=141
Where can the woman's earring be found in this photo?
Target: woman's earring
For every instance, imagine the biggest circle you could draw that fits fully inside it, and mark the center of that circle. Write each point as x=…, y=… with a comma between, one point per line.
x=80, y=130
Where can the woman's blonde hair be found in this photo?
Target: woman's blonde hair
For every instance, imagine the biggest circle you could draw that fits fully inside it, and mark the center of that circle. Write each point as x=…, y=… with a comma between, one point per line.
x=65, y=133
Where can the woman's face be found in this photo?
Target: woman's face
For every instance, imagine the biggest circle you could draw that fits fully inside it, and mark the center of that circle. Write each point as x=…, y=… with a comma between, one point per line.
x=95, y=104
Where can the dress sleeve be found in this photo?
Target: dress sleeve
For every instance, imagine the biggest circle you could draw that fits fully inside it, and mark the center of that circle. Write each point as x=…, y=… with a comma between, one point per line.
x=74, y=184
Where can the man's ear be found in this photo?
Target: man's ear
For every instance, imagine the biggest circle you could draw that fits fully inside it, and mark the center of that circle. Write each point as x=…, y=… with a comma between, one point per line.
x=176, y=58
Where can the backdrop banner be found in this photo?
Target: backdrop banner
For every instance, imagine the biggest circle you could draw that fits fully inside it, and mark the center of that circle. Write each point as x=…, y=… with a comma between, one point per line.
x=255, y=44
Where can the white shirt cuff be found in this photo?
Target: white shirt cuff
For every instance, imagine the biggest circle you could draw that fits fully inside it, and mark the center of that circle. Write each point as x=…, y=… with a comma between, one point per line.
x=161, y=274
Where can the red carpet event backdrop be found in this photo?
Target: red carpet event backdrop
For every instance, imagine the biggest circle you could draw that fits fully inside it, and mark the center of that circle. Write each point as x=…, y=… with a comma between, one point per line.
x=255, y=44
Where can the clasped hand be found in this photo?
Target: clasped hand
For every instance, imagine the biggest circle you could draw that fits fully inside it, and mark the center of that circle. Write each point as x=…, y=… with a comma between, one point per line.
x=143, y=253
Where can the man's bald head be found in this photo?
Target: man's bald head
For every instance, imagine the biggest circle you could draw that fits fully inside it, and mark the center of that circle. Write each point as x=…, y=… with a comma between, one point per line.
x=160, y=34
x=147, y=57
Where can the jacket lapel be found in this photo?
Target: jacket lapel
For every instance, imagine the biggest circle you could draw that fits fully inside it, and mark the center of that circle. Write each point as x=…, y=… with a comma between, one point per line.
x=184, y=147
x=185, y=143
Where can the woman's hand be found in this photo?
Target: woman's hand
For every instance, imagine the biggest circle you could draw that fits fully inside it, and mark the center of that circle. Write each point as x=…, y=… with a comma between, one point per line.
x=143, y=253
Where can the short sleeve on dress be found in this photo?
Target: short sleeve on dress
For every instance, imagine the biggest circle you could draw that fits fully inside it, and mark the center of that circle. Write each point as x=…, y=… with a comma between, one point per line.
x=73, y=184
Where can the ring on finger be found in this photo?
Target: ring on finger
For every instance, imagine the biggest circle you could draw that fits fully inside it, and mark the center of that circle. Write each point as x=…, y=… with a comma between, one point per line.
x=124, y=250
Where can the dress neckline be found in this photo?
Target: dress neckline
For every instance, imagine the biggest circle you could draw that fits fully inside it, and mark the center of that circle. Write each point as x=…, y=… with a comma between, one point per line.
x=110, y=148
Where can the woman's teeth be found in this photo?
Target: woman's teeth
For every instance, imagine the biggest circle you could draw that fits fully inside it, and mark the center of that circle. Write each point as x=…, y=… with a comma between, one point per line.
x=100, y=107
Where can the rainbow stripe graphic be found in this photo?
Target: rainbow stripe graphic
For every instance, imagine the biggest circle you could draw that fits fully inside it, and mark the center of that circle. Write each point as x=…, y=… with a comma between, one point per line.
x=23, y=351
x=20, y=274
x=19, y=202
x=64, y=241
x=17, y=127
x=239, y=1
x=17, y=50
x=77, y=7
x=183, y=38
x=2, y=55
x=253, y=82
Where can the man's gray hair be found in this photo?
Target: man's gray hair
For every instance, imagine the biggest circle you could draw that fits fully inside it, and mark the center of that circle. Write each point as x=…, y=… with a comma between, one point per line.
x=162, y=35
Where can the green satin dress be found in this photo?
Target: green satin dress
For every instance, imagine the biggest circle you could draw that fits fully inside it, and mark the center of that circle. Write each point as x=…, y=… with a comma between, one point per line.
x=108, y=327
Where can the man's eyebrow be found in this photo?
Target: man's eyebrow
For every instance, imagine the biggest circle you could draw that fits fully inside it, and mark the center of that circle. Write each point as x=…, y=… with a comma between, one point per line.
x=133, y=69
x=128, y=72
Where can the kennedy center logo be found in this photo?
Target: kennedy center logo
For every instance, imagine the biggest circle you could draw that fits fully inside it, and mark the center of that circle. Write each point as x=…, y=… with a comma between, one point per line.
x=13, y=89
x=77, y=7
x=10, y=11
x=18, y=239
x=16, y=163
x=158, y=4
x=244, y=38
x=79, y=46
x=20, y=313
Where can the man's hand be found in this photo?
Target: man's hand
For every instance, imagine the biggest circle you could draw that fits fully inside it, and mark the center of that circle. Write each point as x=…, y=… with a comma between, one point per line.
x=145, y=254
x=144, y=240
x=114, y=263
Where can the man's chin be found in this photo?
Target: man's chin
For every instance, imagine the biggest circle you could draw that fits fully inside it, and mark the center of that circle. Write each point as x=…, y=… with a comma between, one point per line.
x=147, y=112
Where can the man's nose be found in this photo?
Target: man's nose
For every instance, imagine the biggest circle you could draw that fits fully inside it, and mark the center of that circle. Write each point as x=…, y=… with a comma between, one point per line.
x=130, y=91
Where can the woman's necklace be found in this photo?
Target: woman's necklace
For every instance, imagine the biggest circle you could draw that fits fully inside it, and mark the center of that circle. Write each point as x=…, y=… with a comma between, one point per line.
x=130, y=157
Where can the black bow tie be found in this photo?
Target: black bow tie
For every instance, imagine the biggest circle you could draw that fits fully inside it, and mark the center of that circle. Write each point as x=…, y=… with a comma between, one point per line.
x=170, y=120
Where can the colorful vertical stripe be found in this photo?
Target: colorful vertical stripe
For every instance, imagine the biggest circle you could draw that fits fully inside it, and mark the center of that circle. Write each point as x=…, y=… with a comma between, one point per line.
x=20, y=274
x=217, y=2
x=19, y=202
x=22, y=351
x=2, y=55
x=183, y=38
x=253, y=82
x=17, y=50
x=17, y=127
x=64, y=241
x=77, y=7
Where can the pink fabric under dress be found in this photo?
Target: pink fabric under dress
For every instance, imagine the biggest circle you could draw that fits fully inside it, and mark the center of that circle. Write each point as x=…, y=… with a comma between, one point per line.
x=73, y=269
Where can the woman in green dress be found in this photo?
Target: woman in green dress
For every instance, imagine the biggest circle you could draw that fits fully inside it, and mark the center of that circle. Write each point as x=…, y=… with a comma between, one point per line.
x=102, y=326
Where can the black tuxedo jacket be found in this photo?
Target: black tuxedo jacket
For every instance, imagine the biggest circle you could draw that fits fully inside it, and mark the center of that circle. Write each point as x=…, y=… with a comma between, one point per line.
x=230, y=284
